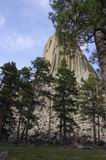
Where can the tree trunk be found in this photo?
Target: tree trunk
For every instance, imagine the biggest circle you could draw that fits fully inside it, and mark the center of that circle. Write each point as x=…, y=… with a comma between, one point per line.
x=23, y=133
x=1, y=119
x=94, y=130
x=50, y=113
x=27, y=125
x=100, y=41
x=64, y=124
x=98, y=128
x=26, y=134
x=27, y=129
x=64, y=130
x=18, y=128
x=60, y=128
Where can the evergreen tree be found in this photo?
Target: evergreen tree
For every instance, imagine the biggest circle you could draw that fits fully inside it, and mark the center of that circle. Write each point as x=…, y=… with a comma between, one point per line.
x=81, y=21
x=26, y=104
x=8, y=95
x=65, y=99
x=93, y=103
x=41, y=72
x=42, y=80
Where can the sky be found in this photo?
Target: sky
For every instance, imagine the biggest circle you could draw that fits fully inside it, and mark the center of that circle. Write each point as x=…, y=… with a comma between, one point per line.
x=24, y=30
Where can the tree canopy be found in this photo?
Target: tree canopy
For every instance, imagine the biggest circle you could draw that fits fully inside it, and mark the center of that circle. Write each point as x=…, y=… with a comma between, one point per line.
x=81, y=21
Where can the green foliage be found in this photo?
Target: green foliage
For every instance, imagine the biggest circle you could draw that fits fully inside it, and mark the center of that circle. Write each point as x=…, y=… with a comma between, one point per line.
x=26, y=98
x=78, y=19
x=21, y=92
x=41, y=77
x=65, y=98
x=93, y=101
x=8, y=92
x=34, y=89
x=80, y=22
x=24, y=91
x=43, y=81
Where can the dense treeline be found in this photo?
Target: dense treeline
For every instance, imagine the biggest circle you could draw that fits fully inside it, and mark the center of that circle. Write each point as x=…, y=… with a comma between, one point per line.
x=31, y=89
x=21, y=92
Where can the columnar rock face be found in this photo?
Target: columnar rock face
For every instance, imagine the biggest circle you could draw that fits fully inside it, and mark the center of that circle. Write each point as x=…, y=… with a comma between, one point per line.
x=76, y=60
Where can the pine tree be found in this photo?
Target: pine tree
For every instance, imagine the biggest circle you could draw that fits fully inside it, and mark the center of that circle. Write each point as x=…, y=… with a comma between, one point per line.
x=8, y=95
x=81, y=21
x=65, y=99
x=42, y=80
x=93, y=103
x=26, y=104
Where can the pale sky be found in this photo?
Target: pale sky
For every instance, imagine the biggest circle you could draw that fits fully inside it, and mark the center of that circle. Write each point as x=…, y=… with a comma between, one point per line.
x=24, y=30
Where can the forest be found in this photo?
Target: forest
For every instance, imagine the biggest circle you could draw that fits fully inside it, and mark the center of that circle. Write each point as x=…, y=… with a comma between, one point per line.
x=27, y=93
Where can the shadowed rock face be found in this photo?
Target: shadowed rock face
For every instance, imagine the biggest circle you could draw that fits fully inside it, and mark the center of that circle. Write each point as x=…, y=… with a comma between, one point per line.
x=76, y=60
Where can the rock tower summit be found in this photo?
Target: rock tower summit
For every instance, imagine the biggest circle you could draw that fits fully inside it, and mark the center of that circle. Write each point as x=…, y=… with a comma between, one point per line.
x=76, y=61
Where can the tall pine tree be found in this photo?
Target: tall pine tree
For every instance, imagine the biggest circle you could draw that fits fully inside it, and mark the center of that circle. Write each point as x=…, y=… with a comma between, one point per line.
x=93, y=104
x=65, y=99
x=8, y=94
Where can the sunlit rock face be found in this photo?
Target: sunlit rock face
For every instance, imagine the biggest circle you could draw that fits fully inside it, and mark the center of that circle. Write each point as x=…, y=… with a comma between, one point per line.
x=76, y=60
